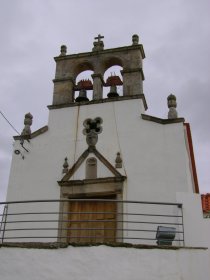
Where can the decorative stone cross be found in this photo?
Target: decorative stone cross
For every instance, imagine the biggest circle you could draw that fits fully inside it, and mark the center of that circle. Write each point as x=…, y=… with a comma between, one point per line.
x=98, y=45
x=99, y=37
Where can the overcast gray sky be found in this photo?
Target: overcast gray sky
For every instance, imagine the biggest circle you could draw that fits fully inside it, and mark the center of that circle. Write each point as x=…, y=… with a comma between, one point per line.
x=175, y=35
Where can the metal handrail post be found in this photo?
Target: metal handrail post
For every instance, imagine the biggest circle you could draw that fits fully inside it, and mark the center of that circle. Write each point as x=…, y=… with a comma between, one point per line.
x=3, y=222
x=183, y=225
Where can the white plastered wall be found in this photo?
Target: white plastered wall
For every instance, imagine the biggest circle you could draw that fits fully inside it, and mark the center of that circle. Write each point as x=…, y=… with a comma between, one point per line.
x=196, y=228
x=103, y=263
x=155, y=158
x=154, y=155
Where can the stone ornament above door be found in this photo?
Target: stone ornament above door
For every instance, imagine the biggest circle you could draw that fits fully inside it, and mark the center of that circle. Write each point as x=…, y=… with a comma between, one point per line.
x=92, y=127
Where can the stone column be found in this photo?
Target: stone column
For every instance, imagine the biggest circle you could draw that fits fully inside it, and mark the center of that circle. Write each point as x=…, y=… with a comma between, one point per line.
x=97, y=86
x=132, y=81
x=64, y=81
x=63, y=91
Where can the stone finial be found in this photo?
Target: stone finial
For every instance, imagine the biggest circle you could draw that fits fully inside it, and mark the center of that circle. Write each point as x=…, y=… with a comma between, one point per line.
x=118, y=161
x=135, y=39
x=172, y=114
x=27, y=122
x=98, y=45
x=65, y=166
x=63, y=50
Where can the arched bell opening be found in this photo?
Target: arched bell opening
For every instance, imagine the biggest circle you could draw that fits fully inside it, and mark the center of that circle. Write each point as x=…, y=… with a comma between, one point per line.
x=84, y=86
x=81, y=67
x=113, y=82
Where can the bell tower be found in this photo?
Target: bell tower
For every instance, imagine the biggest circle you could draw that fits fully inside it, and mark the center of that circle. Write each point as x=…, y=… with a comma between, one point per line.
x=68, y=66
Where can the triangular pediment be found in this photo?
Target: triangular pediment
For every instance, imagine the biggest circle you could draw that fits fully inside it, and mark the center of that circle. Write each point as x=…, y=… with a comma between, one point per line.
x=113, y=172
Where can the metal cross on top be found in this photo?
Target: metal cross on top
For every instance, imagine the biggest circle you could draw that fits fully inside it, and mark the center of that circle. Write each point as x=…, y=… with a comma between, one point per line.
x=99, y=37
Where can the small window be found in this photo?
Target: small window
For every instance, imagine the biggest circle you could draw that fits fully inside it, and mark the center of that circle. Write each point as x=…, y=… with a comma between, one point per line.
x=91, y=168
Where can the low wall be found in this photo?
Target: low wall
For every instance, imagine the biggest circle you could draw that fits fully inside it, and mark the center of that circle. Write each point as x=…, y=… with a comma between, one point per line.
x=104, y=262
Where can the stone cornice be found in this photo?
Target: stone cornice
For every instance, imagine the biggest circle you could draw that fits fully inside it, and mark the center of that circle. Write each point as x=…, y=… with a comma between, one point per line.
x=95, y=53
x=57, y=80
x=33, y=135
x=92, y=181
x=104, y=100
x=162, y=121
x=126, y=70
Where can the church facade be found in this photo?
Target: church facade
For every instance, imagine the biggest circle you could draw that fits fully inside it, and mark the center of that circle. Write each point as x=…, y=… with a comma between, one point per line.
x=99, y=150
x=103, y=172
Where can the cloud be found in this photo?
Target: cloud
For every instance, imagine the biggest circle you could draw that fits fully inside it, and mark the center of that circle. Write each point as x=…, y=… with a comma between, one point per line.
x=175, y=35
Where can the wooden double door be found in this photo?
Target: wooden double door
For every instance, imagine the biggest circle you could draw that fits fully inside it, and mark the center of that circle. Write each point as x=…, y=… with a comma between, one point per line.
x=92, y=221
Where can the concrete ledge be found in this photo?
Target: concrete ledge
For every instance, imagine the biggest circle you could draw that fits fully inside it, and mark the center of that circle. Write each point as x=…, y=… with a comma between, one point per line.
x=105, y=100
x=57, y=245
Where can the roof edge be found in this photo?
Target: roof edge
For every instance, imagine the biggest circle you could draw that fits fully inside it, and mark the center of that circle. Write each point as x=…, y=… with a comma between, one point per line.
x=104, y=100
x=33, y=134
x=93, y=53
x=162, y=121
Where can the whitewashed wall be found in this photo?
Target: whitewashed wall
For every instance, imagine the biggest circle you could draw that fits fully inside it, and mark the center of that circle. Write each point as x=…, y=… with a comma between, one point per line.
x=155, y=158
x=194, y=224
x=207, y=231
x=103, y=263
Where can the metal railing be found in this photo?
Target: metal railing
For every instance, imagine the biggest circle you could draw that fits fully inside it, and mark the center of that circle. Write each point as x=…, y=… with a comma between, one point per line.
x=91, y=220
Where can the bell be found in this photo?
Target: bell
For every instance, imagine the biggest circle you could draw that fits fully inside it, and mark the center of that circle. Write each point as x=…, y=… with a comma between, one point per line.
x=82, y=96
x=113, y=80
x=113, y=92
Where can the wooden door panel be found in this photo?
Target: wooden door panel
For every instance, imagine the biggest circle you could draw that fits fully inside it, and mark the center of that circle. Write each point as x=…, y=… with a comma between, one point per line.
x=110, y=208
x=92, y=227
